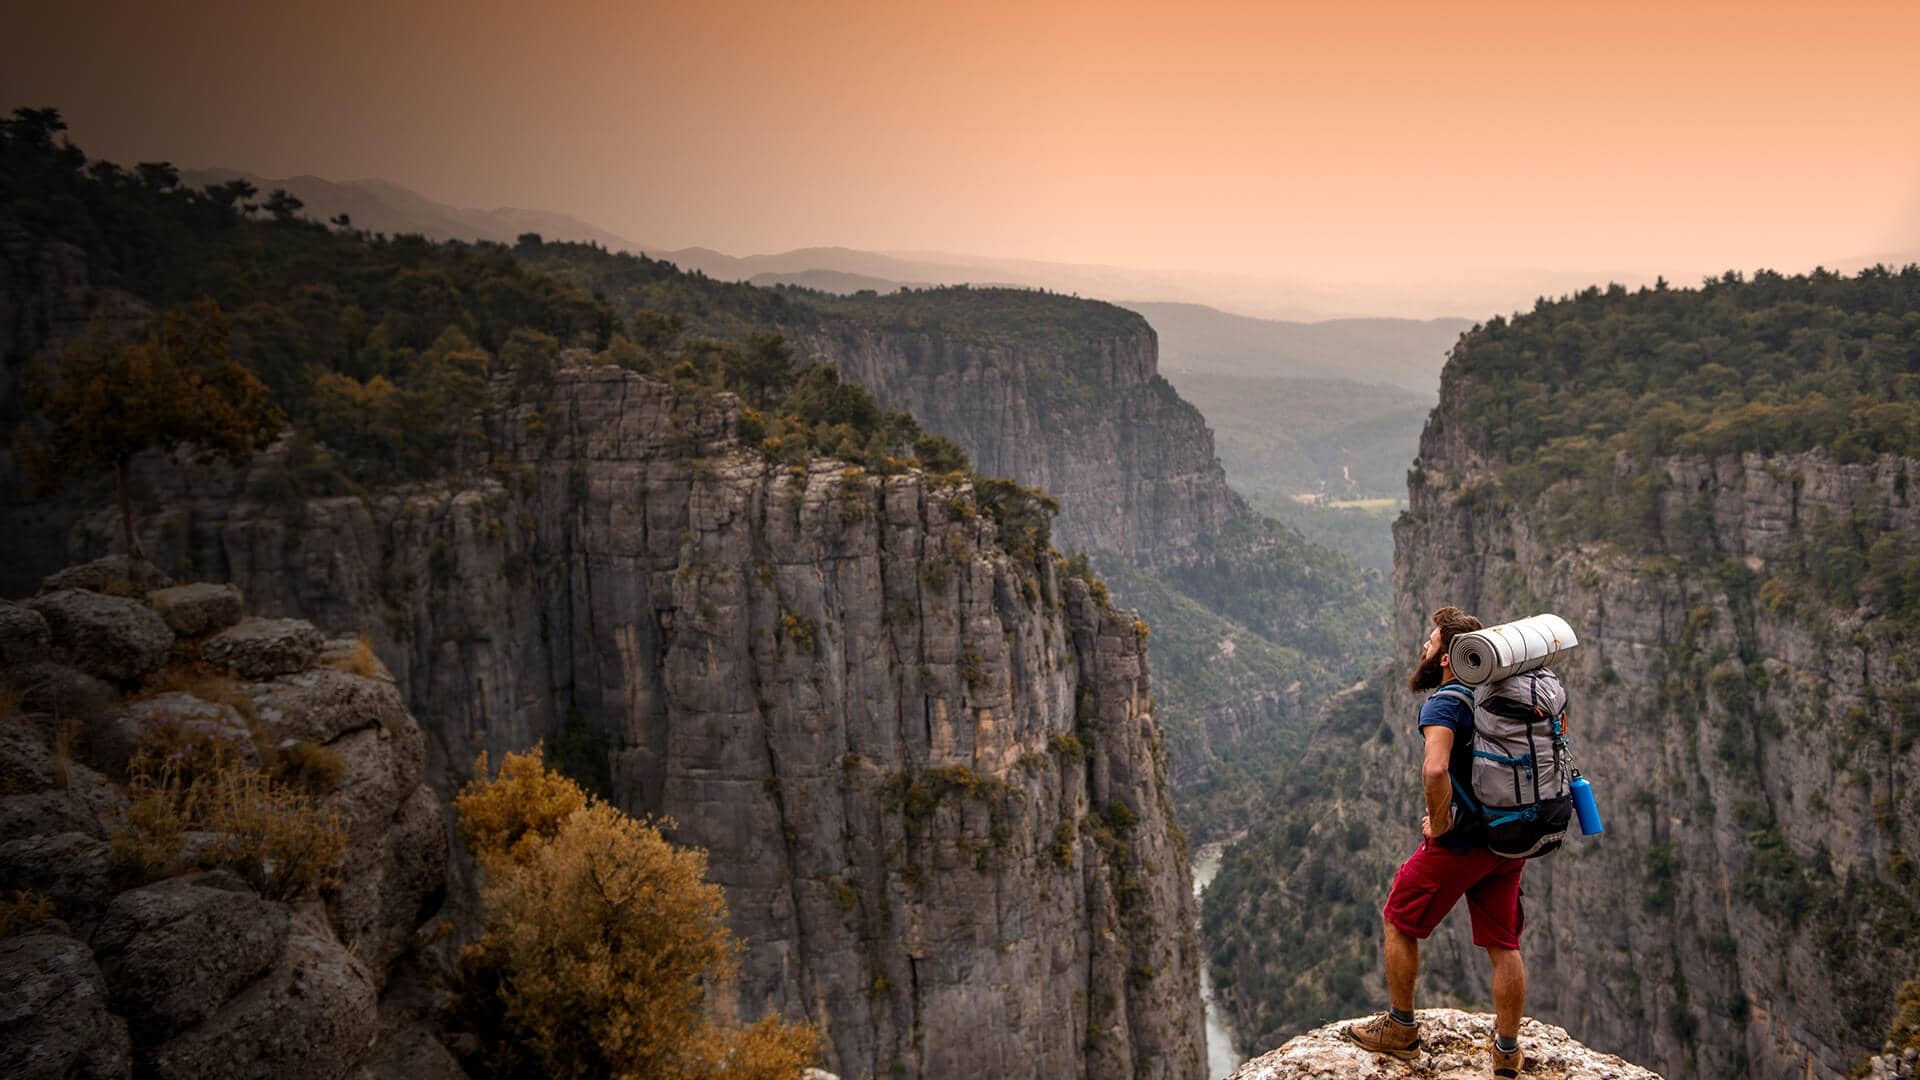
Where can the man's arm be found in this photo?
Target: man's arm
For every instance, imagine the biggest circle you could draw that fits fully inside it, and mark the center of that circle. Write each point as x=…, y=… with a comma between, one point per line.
x=1435, y=778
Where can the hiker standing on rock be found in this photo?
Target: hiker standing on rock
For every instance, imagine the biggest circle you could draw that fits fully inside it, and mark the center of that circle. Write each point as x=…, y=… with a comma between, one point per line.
x=1452, y=861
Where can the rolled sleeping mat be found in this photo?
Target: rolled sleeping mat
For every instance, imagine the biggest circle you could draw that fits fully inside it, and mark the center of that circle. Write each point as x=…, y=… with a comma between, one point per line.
x=1499, y=652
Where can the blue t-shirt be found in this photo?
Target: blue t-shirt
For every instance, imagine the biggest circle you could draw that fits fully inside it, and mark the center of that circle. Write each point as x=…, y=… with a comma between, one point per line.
x=1448, y=711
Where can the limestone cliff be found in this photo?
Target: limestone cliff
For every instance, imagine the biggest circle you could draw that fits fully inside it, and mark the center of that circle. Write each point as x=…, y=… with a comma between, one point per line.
x=1091, y=422
x=1261, y=619
x=926, y=774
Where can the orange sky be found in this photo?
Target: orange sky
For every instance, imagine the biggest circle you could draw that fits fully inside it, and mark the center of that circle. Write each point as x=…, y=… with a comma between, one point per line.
x=1348, y=139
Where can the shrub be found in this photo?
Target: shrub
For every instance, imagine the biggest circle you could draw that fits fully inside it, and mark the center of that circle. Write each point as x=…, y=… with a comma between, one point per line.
x=599, y=940
x=516, y=811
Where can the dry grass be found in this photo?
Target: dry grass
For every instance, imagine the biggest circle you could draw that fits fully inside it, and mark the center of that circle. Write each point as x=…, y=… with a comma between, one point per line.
x=284, y=840
x=360, y=661
x=24, y=912
x=309, y=766
x=63, y=740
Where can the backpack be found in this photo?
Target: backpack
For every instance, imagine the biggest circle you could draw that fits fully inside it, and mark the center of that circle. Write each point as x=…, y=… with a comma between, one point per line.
x=1520, y=772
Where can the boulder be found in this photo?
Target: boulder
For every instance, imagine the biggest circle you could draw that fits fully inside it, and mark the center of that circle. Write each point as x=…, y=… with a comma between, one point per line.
x=175, y=952
x=54, y=1021
x=115, y=734
x=109, y=575
x=1455, y=1046
x=198, y=608
x=108, y=636
x=24, y=636
x=26, y=762
x=312, y=1016
x=72, y=869
x=322, y=704
x=42, y=793
x=264, y=648
x=392, y=879
x=48, y=687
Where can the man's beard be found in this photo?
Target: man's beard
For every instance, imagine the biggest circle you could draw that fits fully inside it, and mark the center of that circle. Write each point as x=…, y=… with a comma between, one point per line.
x=1427, y=675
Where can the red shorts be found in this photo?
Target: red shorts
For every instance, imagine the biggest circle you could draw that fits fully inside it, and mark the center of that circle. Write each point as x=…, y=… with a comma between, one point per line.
x=1433, y=879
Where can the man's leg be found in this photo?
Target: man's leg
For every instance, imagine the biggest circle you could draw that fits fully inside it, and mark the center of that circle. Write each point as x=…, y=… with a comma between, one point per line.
x=1509, y=990
x=1403, y=966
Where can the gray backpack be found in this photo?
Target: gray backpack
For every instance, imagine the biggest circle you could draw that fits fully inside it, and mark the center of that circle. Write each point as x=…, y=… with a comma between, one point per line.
x=1520, y=769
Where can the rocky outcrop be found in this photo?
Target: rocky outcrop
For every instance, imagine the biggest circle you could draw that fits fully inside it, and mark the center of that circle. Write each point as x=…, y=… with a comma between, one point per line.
x=1455, y=1046
x=263, y=648
x=197, y=608
x=927, y=774
x=111, y=637
x=195, y=973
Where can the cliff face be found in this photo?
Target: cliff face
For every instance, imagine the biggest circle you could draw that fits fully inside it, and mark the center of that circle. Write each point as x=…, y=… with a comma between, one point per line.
x=1257, y=616
x=927, y=776
x=1093, y=424
x=1750, y=908
x=1751, y=905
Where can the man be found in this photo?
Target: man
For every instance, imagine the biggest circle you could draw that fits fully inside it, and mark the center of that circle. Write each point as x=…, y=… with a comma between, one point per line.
x=1450, y=862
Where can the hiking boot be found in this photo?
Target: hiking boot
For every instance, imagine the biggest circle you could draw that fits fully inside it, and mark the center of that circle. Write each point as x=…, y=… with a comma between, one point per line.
x=1507, y=1066
x=1384, y=1035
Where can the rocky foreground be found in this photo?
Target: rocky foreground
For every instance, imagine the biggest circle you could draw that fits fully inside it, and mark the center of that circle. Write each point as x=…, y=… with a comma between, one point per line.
x=169, y=947
x=1455, y=1048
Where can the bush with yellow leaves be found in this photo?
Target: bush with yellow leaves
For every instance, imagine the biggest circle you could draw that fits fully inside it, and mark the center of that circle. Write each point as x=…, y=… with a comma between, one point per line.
x=600, y=941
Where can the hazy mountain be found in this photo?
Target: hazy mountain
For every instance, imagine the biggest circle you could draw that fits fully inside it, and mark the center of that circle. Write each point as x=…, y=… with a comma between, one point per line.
x=828, y=281
x=382, y=206
x=1403, y=352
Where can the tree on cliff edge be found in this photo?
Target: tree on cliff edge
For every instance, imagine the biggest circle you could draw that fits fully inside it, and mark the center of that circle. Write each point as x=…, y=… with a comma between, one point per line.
x=107, y=400
x=599, y=943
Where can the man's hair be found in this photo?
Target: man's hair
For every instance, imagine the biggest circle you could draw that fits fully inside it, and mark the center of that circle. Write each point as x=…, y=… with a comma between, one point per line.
x=1452, y=623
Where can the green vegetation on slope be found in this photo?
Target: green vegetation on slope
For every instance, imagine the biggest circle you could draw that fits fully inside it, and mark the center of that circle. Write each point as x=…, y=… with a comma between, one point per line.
x=1291, y=942
x=1774, y=364
x=382, y=349
x=1279, y=438
x=1205, y=665
x=1293, y=592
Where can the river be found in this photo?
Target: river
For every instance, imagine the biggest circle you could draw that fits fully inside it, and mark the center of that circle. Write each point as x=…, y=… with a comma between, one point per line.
x=1222, y=1059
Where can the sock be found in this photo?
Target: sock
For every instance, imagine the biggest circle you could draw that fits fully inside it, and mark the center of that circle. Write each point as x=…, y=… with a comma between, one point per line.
x=1402, y=1017
x=1506, y=1044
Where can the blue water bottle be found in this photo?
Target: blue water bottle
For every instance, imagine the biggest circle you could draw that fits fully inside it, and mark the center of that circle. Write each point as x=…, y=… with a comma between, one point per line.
x=1584, y=807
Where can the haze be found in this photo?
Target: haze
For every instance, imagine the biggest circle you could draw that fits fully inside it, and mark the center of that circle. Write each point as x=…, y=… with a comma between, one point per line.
x=1407, y=149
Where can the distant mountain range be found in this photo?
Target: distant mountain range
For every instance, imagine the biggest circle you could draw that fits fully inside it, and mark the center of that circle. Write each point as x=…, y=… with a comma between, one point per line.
x=1407, y=353
x=382, y=206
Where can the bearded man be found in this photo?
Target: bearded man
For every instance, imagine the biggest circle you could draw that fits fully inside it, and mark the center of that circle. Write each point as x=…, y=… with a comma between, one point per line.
x=1452, y=861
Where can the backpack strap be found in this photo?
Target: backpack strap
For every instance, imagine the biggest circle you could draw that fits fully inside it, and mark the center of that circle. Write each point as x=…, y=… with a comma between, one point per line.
x=1465, y=697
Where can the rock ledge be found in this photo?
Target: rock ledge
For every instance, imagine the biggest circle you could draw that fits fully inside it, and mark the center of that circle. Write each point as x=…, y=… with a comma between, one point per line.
x=1455, y=1048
